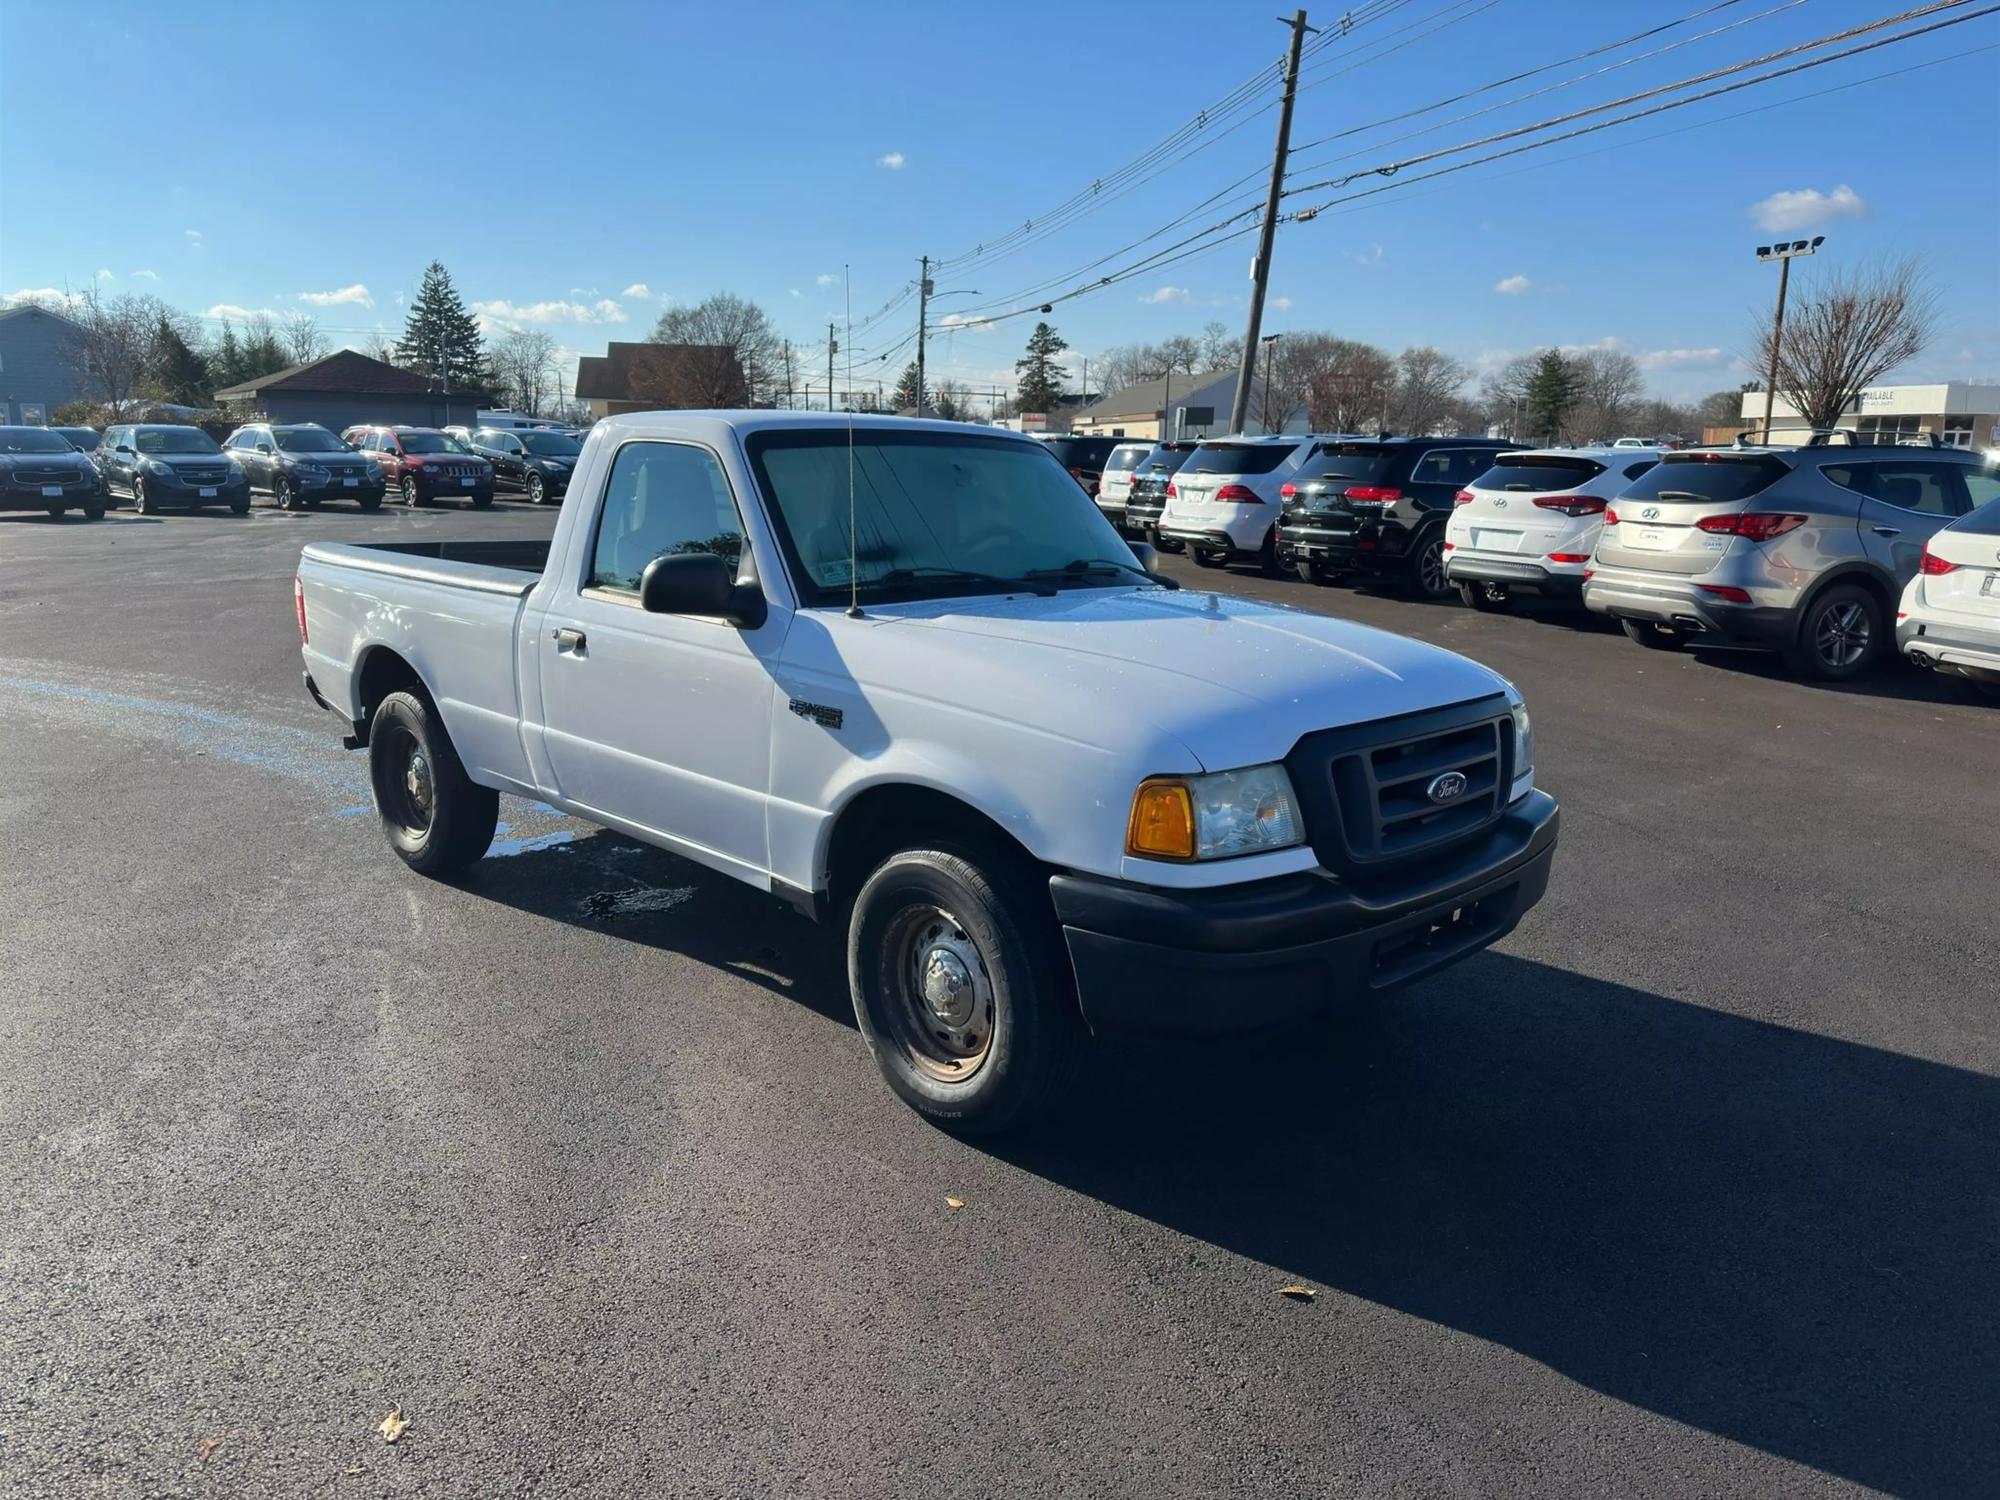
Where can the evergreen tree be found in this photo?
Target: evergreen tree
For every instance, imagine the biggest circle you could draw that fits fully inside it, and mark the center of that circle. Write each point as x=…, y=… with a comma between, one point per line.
x=177, y=373
x=907, y=393
x=1552, y=390
x=1041, y=383
x=440, y=336
x=227, y=362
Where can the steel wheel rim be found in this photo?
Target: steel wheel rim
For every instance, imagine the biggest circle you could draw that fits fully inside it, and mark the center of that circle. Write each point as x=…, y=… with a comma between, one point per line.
x=1430, y=568
x=941, y=1004
x=410, y=784
x=1842, y=634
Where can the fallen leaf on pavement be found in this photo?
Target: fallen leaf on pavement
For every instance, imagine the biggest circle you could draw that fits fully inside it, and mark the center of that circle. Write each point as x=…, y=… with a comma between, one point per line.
x=954, y=1203
x=1298, y=1293
x=393, y=1425
x=208, y=1446
x=358, y=1469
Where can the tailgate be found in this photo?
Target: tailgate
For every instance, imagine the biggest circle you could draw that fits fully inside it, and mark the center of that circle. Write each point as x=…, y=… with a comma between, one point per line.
x=1972, y=587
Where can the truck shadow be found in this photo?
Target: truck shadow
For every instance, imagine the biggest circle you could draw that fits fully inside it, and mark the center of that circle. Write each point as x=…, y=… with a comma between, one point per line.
x=1790, y=1241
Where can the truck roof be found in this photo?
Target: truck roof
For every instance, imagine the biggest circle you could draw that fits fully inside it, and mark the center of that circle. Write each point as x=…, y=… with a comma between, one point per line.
x=741, y=421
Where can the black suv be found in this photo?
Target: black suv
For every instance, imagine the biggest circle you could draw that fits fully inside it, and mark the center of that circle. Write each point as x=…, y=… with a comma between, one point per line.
x=1148, y=495
x=301, y=464
x=1083, y=457
x=535, y=461
x=39, y=470
x=160, y=464
x=1378, y=506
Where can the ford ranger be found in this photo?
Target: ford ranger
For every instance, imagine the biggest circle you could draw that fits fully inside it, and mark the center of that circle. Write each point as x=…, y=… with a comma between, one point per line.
x=905, y=676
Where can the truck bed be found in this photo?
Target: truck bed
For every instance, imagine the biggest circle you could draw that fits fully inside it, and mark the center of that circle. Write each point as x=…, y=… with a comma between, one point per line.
x=500, y=567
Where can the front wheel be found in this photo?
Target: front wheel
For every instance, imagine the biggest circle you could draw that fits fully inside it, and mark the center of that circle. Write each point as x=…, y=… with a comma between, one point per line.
x=410, y=496
x=93, y=513
x=1490, y=597
x=437, y=819
x=240, y=507
x=1840, y=635
x=283, y=495
x=1428, y=570
x=538, y=490
x=142, y=503
x=959, y=987
x=369, y=502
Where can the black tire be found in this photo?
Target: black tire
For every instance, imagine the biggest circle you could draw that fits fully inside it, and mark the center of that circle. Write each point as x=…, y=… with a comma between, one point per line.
x=1167, y=544
x=93, y=513
x=1205, y=558
x=1492, y=598
x=142, y=503
x=283, y=495
x=1653, y=637
x=410, y=496
x=1267, y=556
x=538, y=489
x=369, y=502
x=1982, y=690
x=1840, y=635
x=1427, y=568
x=436, y=818
x=240, y=507
x=1312, y=571
x=55, y=512
x=981, y=910
x=482, y=502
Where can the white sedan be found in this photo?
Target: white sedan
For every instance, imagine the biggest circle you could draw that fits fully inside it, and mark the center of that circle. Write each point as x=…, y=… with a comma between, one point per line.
x=1949, y=618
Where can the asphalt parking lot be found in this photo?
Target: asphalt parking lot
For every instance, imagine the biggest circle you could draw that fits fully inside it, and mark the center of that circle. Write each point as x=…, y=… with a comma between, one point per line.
x=1687, y=1187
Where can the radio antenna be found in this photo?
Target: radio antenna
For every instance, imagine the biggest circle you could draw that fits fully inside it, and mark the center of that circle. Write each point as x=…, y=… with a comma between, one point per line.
x=853, y=538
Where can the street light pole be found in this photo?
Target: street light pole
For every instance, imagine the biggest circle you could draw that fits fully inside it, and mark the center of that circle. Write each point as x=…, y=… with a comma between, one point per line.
x=1784, y=253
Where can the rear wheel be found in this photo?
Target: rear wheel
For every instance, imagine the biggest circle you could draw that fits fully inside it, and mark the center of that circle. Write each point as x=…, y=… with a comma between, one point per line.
x=1491, y=597
x=1982, y=689
x=437, y=819
x=1427, y=569
x=959, y=986
x=1166, y=544
x=1206, y=557
x=1840, y=635
x=1313, y=571
x=1654, y=637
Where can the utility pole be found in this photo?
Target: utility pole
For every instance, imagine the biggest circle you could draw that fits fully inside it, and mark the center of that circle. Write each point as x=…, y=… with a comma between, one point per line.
x=923, y=303
x=1783, y=253
x=1260, y=269
x=832, y=348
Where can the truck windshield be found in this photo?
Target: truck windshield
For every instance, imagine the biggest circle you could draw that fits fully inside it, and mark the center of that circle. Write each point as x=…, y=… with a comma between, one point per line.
x=935, y=514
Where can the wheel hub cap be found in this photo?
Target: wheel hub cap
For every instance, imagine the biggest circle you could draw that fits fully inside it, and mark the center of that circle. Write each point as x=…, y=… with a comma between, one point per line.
x=417, y=780
x=947, y=986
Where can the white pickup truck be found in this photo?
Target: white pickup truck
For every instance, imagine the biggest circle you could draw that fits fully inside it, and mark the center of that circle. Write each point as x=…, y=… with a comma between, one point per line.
x=904, y=675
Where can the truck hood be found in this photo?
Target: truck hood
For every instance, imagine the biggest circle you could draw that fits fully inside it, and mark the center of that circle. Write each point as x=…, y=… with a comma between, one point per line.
x=1234, y=680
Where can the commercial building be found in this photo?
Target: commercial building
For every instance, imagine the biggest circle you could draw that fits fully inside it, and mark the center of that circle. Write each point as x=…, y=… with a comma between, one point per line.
x=1176, y=404
x=655, y=377
x=1961, y=414
x=347, y=387
x=40, y=364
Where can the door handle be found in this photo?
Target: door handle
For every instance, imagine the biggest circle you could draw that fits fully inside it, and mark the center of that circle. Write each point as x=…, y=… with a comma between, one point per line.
x=569, y=641
x=1888, y=531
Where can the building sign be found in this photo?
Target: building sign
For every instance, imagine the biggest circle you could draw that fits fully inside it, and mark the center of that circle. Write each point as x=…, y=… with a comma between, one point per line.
x=33, y=414
x=1878, y=400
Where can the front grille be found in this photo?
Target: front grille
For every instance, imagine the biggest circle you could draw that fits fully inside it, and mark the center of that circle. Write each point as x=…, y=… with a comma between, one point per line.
x=1368, y=790
x=188, y=475
x=50, y=476
x=345, y=471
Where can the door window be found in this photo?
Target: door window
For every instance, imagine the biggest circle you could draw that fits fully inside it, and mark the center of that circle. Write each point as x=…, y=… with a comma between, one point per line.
x=664, y=499
x=1925, y=488
x=1982, y=484
x=1453, y=466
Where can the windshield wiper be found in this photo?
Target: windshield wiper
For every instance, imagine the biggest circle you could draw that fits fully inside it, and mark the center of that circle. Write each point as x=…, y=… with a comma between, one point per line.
x=1032, y=584
x=1101, y=567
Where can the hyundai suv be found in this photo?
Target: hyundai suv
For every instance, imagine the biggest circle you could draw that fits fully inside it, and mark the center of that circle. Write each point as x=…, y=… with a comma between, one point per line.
x=1223, y=503
x=301, y=463
x=1531, y=521
x=423, y=464
x=1799, y=550
x=162, y=464
x=1378, y=506
x=1146, y=498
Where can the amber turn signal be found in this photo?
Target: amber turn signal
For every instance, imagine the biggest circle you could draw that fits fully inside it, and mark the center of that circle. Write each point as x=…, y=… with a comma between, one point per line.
x=1162, y=825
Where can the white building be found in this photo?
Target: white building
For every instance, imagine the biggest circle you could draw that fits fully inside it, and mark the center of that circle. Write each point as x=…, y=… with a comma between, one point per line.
x=1960, y=413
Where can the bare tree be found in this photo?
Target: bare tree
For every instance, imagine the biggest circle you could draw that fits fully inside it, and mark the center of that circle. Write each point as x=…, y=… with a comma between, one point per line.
x=1128, y=365
x=1427, y=381
x=302, y=339
x=733, y=349
x=525, y=362
x=1505, y=394
x=1219, y=347
x=1351, y=387
x=115, y=344
x=1609, y=386
x=1180, y=353
x=1844, y=333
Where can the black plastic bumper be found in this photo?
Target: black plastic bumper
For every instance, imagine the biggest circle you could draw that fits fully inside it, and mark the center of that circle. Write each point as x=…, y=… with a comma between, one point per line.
x=1276, y=952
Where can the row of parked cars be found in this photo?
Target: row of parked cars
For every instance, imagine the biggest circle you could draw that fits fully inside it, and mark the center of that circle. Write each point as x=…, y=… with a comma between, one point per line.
x=164, y=466
x=1833, y=553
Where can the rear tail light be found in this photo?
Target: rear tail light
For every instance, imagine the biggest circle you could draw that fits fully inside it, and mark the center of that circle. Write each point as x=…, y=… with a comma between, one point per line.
x=1172, y=493
x=1571, y=505
x=1076, y=473
x=1610, y=516
x=1754, y=526
x=1373, y=494
x=1933, y=566
x=1287, y=490
x=299, y=603
x=1241, y=494
x=1725, y=591
x=1463, y=497
x=1451, y=546
x=1569, y=557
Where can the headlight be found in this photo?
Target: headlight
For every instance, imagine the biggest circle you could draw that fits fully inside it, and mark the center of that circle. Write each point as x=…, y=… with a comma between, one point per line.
x=1524, y=741
x=374, y=469
x=1216, y=816
x=154, y=466
x=311, y=471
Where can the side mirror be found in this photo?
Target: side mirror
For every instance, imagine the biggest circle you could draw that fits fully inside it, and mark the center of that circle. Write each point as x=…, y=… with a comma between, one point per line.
x=1144, y=552
x=121, y=448
x=700, y=583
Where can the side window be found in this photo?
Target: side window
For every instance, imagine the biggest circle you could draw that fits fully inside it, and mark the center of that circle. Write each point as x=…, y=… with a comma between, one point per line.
x=1633, y=471
x=1982, y=484
x=664, y=499
x=1847, y=476
x=1433, y=468
x=1925, y=488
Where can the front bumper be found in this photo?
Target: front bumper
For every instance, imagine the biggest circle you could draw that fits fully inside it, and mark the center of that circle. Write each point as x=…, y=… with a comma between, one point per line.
x=1275, y=952
x=1472, y=567
x=1681, y=604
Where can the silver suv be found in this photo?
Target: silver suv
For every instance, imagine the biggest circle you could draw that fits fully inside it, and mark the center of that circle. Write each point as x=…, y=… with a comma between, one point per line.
x=1800, y=550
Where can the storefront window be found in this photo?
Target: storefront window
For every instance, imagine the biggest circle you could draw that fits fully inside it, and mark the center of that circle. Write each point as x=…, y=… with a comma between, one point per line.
x=1957, y=432
x=1887, y=429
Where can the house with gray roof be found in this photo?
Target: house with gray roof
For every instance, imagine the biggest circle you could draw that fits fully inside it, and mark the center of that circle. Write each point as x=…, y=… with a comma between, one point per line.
x=41, y=364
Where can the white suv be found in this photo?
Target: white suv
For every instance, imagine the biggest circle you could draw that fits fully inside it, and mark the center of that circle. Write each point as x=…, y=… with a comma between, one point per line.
x=1949, y=617
x=1223, y=503
x=1114, y=486
x=1531, y=520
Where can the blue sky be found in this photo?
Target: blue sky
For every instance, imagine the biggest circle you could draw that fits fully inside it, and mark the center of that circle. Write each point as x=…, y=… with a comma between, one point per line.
x=575, y=166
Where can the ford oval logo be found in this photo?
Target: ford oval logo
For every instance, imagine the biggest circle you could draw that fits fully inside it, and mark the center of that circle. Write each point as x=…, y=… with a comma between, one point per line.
x=1650, y=513
x=1446, y=788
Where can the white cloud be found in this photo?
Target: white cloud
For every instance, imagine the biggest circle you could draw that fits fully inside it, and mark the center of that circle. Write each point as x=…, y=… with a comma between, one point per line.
x=399, y=299
x=193, y=235
x=1282, y=304
x=638, y=290
x=1372, y=256
x=356, y=294
x=827, y=278
x=1166, y=294
x=1682, y=359
x=793, y=292
x=106, y=276
x=893, y=160
x=1803, y=208
x=583, y=291
x=500, y=312
x=1512, y=286
x=960, y=323
x=145, y=275
x=238, y=313
x=46, y=296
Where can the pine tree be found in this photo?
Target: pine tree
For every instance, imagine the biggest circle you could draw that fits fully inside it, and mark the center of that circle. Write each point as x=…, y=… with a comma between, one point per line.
x=440, y=336
x=907, y=394
x=1041, y=383
x=227, y=364
x=177, y=374
x=1552, y=391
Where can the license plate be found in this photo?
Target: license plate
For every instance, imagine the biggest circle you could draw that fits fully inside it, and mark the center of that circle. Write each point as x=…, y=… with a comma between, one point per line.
x=1497, y=541
x=468, y=483
x=1652, y=539
x=208, y=492
x=351, y=483
x=52, y=491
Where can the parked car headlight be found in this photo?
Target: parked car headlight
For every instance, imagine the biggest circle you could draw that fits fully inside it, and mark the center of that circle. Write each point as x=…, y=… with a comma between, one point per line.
x=155, y=467
x=311, y=471
x=1215, y=816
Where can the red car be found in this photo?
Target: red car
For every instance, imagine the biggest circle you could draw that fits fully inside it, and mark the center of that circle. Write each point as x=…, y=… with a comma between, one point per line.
x=425, y=464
